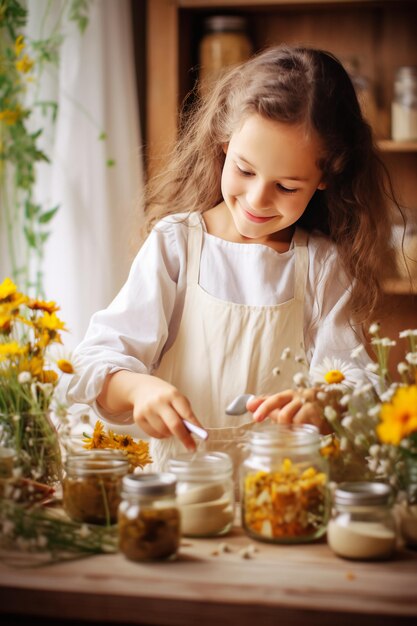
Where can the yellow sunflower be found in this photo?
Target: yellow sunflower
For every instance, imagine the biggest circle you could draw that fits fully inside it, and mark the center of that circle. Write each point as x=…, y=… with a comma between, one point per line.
x=399, y=416
x=41, y=305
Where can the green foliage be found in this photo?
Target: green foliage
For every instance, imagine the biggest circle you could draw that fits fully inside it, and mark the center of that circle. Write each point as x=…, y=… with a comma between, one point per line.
x=22, y=63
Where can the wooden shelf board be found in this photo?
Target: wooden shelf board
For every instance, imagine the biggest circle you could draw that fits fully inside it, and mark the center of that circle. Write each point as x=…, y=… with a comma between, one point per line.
x=400, y=286
x=389, y=145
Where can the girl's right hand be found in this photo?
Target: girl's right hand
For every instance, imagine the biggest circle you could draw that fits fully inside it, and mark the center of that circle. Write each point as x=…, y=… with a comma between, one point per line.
x=159, y=409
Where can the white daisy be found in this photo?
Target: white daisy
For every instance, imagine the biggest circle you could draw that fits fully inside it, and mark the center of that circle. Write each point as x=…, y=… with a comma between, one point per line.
x=334, y=374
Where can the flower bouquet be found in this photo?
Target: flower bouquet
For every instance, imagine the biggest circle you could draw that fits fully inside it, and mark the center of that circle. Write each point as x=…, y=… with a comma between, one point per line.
x=28, y=378
x=374, y=422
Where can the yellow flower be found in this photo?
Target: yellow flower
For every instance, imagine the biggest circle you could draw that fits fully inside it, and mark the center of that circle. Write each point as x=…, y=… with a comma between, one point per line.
x=6, y=319
x=34, y=365
x=10, y=350
x=19, y=45
x=25, y=64
x=49, y=376
x=7, y=289
x=49, y=321
x=10, y=116
x=333, y=377
x=399, y=416
x=98, y=439
x=65, y=366
x=41, y=305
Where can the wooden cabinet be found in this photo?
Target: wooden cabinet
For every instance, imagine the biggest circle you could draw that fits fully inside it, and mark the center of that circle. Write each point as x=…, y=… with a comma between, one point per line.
x=379, y=35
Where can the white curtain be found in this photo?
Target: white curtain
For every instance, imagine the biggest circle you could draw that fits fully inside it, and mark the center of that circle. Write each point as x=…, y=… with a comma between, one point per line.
x=89, y=251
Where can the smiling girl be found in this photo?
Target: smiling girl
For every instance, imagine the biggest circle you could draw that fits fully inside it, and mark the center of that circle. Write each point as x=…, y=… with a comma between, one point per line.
x=274, y=227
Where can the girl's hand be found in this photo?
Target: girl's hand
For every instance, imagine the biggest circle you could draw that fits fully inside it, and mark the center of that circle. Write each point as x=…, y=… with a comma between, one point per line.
x=159, y=409
x=290, y=407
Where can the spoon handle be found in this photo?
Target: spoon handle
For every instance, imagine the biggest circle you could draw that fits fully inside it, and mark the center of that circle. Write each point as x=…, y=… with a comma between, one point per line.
x=238, y=405
x=200, y=432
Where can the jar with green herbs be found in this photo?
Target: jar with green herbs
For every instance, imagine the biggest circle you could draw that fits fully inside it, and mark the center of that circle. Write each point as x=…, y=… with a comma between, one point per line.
x=284, y=484
x=149, y=519
x=205, y=492
x=91, y=487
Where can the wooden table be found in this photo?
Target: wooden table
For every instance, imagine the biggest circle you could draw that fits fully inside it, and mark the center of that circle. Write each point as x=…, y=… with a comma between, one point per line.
x=279, y=585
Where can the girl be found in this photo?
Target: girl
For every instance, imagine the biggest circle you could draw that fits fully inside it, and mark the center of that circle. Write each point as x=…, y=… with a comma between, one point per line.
x=274, y=228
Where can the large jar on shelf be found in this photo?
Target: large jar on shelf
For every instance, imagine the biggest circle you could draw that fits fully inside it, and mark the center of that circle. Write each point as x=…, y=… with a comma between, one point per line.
x=225, y=43
x=285, y=496
x=404, y=105
x=205, y=493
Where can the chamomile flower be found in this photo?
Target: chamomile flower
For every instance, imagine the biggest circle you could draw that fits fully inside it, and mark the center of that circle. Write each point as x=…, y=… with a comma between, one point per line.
x=334, y=374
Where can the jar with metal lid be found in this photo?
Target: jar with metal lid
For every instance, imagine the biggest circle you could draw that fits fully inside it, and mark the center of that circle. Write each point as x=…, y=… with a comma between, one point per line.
x=91, y=485
x=404, y=105
x=362, y=526
x=205, y=493
x=285, y=497
x=149, y=519
x=225, y=43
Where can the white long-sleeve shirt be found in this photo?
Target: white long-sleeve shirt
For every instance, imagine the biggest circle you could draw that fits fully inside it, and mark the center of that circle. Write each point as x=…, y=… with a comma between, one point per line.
x=141, y=323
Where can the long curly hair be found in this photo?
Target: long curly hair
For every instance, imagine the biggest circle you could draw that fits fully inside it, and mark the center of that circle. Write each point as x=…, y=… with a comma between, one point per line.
x=295, y=85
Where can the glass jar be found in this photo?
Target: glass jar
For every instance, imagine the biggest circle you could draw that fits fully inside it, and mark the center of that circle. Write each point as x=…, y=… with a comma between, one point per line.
x=149, y=520
x=205, y=493
x=284, y=478
x=408, y=511
x=362, y=526
x=91, y=486
x=404, y=105
x=7, y=462
x=225, y=43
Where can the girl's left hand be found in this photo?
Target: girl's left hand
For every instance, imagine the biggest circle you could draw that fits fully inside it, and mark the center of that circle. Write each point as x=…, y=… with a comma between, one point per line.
x=290, y=407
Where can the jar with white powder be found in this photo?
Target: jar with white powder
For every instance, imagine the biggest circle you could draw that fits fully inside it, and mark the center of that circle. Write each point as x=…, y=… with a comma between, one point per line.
x=205, y=493
x=362, y=526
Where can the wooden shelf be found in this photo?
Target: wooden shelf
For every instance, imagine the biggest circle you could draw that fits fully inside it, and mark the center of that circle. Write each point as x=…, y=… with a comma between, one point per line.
x=389, y=145
x=400, y=286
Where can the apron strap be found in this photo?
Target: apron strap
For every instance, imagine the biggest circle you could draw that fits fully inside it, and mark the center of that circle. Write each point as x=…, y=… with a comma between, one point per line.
x=194, y=244
x=301, y=264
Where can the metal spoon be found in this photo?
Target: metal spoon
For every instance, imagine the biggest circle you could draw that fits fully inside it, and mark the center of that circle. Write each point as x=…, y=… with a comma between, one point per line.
x=200, y=432
x=238, y=405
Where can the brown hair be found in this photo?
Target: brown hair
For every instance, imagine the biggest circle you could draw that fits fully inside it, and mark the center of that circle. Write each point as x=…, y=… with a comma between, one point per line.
x=297, y=85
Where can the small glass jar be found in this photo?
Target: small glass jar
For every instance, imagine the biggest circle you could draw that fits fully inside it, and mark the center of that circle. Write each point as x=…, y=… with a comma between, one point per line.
x=362, y=526
x=149, y=519
x=404, y=105
x=7, y=462
x=91, y=486
x=285, y=497
x=205, y=493
x=225, y=43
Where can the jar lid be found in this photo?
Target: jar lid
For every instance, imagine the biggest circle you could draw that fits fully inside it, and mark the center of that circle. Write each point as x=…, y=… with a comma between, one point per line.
x=152, y=484
x=223, y=23
x=267, y=436
x=362, y=493
x=201, y=465
x=97, y=461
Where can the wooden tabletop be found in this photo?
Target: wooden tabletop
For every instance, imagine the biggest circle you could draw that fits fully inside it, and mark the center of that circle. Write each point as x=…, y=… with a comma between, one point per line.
x=285, y=585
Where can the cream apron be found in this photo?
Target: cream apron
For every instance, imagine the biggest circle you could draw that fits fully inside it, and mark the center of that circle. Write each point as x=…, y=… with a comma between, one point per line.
x=224, y=349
